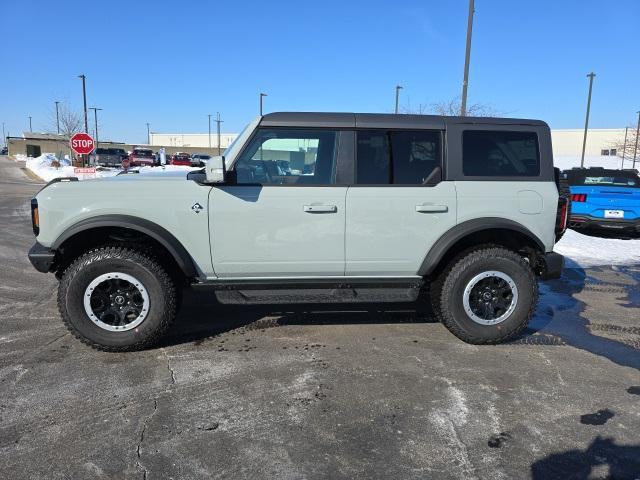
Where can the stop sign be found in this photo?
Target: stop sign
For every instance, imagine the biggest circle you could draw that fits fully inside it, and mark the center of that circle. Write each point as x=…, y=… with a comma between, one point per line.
x=82, y=143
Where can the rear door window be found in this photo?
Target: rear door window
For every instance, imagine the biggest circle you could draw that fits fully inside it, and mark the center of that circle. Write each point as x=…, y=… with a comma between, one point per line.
x=397, y=157
x=500, y=154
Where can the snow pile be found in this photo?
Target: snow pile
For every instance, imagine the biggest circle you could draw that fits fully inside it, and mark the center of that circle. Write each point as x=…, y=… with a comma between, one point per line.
x=45, y=167
x=165, y=169
x=585, y=251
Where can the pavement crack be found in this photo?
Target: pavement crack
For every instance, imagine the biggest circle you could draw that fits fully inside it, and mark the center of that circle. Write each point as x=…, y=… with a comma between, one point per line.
x=173, y=374
x=139, y=464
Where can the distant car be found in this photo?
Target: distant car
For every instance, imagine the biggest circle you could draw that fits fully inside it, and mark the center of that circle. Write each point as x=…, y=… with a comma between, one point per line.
x=107, y=157
x=141, y=157
x=199, y=159
x=120, y=151
x=4, y=151
x=180, y=158
x=604, y=199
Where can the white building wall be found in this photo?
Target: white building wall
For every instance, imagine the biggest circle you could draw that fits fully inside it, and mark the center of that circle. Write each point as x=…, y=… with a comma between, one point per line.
x=569, y=141
x=191, y=139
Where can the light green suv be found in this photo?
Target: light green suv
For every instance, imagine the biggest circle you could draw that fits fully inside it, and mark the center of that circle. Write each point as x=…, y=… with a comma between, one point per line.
x=308, y=207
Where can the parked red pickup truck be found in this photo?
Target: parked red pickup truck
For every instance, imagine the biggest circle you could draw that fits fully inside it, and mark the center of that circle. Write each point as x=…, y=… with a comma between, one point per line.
x=140, y=157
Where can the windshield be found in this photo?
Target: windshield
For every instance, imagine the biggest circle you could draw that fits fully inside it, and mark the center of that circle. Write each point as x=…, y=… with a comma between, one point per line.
x=143, y=153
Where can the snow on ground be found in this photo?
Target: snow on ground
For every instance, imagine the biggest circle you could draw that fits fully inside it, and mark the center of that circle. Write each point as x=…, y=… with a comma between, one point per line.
x=585, y=251
x=564, y=162
x=42, y=167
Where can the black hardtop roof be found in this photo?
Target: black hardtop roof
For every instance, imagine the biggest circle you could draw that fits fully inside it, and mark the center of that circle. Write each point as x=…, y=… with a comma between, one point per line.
x=381, y=120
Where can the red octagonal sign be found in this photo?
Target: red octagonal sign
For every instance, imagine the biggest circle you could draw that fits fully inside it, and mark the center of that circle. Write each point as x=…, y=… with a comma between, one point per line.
x=82, y=143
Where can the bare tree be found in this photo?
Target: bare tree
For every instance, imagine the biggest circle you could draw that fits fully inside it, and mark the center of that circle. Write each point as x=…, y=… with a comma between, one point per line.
x=630, y=148
x=70, y=121
x=451, y=108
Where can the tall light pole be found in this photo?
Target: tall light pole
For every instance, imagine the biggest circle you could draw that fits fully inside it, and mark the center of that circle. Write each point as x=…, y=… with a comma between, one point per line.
x=398, y=88
x=467, y=59
x=635, y=150
x=148, y=135
x=209, y=130
x=57, y=117
x=586, y=121
x=218, y=121
x=30, y=128
x=84, y=99
x=4, y=137
x=95, y=117
x=262, y=95
x=624, y=145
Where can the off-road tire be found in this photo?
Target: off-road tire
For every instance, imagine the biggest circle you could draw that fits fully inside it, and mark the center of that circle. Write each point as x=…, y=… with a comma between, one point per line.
x=451, y=310
x=159, y=286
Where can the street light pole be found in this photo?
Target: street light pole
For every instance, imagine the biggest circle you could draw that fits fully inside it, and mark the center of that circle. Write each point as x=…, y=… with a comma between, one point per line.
x=398, y=88
x=262, y=95
x=4, y=137
x=95, y=116
x=467, y=58
x=148, y=135
x=218, y=121
x=57, y=118
x=624, y=145
x=30, y=128
x=635, y=150
x=586, y=121
x=209, y=130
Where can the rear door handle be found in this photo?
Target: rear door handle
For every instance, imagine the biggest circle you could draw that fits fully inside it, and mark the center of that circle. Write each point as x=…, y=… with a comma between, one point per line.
x=432, y=208
x=320, y=208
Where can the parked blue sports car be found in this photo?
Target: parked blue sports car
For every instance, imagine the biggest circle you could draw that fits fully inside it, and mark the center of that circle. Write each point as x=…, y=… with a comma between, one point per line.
x=604, y=199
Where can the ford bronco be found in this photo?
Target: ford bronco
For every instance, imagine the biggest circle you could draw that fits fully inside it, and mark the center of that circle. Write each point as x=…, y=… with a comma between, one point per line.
x=308, y=207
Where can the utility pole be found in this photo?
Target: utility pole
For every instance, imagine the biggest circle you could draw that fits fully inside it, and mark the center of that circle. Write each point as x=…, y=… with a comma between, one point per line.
x=586, y=121
x=624, y=146
x=30, y=128
x=398, y=88
x=262, y=95
x=209, y=130
x=57, y=118
x=95, y=116
x=467, y=58
x=148, y=135
x=4, y=137
x=218, y=121
x=635, y=150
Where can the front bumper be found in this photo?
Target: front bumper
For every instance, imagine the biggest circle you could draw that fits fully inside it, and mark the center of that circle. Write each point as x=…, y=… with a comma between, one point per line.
x=41, y=257
x=553, y=264
x=578, y=222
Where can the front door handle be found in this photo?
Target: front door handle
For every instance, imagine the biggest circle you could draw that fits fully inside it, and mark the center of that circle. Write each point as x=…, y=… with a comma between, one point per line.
x=432, y=208
x=320, y=208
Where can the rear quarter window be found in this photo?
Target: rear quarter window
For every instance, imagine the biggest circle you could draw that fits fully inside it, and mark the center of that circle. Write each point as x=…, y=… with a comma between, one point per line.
x=500, y=154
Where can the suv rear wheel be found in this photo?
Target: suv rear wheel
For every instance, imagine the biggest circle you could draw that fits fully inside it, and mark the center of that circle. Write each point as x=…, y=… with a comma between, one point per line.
x=117, y=299
x=488, y=296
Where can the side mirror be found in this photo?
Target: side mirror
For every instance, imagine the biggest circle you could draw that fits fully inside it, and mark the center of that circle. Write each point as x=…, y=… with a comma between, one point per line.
x=215, y=170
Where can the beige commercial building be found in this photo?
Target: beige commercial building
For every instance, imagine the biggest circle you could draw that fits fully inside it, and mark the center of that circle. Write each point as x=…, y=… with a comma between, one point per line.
x=600, y=141
x=193, y=140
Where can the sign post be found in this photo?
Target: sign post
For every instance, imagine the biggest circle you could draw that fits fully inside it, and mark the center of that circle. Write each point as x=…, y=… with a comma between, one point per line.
x=82, y=143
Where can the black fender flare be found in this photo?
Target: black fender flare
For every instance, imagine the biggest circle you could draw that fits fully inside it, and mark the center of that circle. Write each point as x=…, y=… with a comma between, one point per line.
x=461, y=230
x=153, y=230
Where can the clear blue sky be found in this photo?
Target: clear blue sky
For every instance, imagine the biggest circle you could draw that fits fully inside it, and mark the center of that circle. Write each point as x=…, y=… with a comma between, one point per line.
x=172, y=63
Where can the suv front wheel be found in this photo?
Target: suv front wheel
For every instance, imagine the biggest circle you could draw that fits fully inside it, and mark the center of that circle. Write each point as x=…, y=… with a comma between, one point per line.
x=488, y=296
x=117, y=299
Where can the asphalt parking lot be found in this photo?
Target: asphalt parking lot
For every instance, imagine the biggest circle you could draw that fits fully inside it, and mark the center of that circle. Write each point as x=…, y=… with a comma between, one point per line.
x=278, y=392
